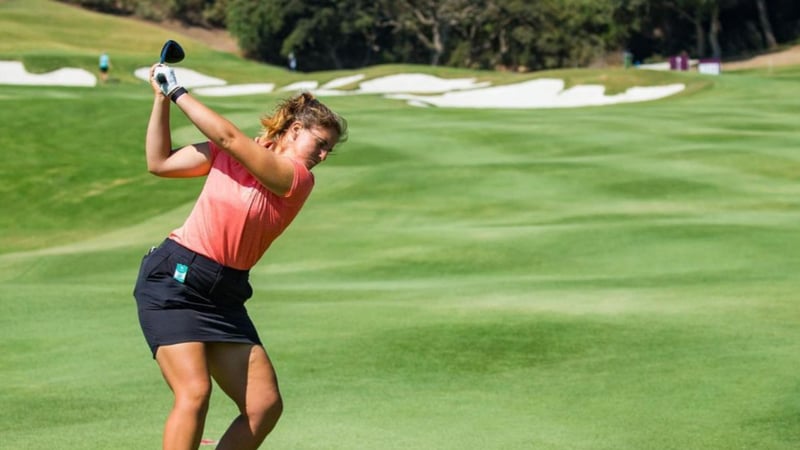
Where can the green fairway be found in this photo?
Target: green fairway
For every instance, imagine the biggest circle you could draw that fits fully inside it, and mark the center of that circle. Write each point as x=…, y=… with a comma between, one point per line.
x=619, y=277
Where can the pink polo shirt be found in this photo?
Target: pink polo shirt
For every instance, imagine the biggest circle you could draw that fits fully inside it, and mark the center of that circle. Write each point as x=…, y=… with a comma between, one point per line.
x=235, y=218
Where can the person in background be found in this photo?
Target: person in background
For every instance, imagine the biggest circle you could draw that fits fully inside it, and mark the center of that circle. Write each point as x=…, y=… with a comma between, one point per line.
x=104, y=66
x=191, y=289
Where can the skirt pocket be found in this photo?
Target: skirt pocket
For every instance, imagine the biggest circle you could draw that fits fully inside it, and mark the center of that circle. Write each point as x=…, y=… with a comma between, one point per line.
x=148, y=266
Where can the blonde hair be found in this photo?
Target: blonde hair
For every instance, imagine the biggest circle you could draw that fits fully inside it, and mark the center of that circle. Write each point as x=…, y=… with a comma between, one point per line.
x=306, y=109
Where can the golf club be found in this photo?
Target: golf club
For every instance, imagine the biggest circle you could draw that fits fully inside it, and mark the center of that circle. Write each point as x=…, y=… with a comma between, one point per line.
x=171, y=53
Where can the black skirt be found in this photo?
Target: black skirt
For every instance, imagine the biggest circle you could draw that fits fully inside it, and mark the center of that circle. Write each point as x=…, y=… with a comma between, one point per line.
x=183, y=296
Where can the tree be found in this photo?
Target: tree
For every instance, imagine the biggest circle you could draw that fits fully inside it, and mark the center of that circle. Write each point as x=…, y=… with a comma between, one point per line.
x=766, y=25
x=715, y=23
x=203, y=13
x=541, y=34
x=576, y=33
x=323, y=34
x=429, y=21
x=512, y=27
x=339, y=34
x=254, y=24
x=481, y=34
x=696, y=12
x=713, y=31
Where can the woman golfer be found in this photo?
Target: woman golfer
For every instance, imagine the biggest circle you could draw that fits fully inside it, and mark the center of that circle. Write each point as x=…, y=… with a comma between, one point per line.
x=191, y=289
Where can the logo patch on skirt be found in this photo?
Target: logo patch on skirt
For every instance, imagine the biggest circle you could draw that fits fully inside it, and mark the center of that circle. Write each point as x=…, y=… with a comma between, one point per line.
x=180, y=273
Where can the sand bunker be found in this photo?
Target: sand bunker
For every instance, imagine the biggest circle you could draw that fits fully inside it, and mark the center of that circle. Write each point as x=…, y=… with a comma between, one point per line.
x=240, y=89
x=415, y=88
x=541, y=93
x=417, y=83
x=13, y=72
x=190, y=79
x=452, y=93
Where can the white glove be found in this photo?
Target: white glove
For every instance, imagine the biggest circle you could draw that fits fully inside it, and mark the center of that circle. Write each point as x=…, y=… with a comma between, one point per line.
x=165, y=77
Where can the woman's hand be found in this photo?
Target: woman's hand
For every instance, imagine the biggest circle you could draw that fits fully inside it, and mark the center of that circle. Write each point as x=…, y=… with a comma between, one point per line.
x=155, y=84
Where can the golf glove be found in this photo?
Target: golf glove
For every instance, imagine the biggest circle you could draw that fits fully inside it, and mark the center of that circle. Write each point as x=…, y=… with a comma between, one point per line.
x=165, y=77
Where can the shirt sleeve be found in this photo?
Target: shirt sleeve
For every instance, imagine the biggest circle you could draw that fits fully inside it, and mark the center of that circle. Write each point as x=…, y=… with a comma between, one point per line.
x=302, y=183
x=214, y=150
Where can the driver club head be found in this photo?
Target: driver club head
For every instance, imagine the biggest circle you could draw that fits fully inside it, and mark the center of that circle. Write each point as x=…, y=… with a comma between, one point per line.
x=172, y=52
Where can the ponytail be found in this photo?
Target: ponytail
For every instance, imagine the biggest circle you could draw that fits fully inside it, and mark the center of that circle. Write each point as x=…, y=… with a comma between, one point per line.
x=306, y=109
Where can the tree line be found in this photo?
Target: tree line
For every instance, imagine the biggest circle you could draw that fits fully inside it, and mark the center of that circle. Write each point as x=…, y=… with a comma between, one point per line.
x=515, y=35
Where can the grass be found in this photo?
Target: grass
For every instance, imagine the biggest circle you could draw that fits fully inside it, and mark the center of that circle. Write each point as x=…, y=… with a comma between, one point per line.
x=617, y=277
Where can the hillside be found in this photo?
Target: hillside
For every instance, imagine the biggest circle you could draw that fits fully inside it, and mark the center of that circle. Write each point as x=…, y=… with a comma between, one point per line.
x=217, y=39
x=786, y=57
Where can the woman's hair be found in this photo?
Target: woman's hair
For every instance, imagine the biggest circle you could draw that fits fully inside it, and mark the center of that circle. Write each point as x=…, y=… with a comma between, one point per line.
x=307, y=110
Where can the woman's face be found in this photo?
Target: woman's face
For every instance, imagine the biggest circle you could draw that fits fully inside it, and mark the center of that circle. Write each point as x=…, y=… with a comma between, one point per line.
x=312, y=145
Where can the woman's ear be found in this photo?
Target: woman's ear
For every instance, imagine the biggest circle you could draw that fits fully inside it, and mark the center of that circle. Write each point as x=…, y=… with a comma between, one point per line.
x=295, y=129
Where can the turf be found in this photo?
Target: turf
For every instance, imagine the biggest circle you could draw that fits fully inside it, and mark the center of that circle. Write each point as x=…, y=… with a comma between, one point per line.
x=616, y=277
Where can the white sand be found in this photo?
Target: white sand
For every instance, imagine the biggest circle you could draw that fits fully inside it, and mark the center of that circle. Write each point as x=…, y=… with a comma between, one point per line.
x=188, y=78
x=301, y=86
x=343, y=81
x=542, y=93
x=240, y=89
x=415, y=88
x=13, y=72
x=416, y=82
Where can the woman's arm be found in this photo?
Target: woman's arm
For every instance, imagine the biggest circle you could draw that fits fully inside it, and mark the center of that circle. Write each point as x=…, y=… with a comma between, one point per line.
x=275, y=172
x=189, y=161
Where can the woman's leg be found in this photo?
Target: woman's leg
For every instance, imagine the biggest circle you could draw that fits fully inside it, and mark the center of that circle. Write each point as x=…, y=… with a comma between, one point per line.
x=185, y=368
x=245, y=373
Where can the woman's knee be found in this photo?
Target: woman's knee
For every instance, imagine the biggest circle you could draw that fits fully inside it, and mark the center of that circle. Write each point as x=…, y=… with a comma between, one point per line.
x=266, y=411
x=276, y=406
x=193, y=395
